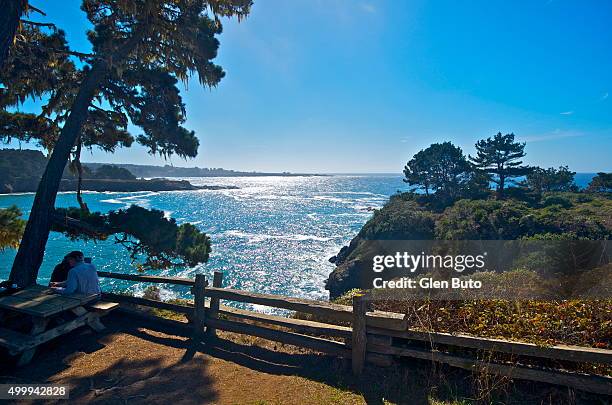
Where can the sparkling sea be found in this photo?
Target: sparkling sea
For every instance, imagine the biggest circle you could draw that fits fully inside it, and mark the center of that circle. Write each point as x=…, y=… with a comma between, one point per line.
x=272, y=235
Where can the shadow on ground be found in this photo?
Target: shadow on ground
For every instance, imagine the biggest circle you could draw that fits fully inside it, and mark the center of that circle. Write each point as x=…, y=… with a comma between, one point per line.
x=101, y=369
x=166, y=367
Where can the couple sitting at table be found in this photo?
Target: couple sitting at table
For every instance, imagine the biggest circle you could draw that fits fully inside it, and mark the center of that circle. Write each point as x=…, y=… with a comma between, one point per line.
x=75, y=276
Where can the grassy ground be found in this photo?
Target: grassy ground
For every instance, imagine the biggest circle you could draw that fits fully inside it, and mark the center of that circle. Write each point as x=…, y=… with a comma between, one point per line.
x=136, y=361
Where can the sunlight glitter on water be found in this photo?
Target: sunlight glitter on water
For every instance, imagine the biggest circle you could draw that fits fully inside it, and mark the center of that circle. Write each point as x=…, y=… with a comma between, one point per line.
x=273, y=234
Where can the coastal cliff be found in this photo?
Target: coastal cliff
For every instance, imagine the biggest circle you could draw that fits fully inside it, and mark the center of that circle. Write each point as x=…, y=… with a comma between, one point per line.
x=21, y=170
x=409, y=216
x=401, y=218
x=28, y=185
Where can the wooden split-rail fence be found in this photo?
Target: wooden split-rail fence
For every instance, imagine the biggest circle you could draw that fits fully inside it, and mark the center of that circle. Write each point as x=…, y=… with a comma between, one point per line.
x=365, y=336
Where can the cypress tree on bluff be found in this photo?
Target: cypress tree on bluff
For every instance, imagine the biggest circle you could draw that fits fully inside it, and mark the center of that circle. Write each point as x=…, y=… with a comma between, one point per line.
x=141, y=49
x=500, y=156
x=443, y=169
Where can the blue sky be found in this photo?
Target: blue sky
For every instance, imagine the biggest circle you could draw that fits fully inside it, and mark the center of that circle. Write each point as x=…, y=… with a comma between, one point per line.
x=360, y=86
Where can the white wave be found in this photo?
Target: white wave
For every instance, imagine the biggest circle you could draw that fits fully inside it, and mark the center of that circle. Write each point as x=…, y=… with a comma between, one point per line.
x=332, y=199
x=138, y=196
x=112, y=201
x=357, y=193
x=260, y=237
x=309, y=237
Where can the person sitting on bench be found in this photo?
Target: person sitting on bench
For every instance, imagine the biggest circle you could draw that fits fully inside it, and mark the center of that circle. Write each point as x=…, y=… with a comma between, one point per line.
x=82, y=277
x=60, y=272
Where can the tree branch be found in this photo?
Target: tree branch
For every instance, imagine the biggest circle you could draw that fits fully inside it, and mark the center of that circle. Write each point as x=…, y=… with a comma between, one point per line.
x=38, y=24
x=65, y=51
x=39, y=11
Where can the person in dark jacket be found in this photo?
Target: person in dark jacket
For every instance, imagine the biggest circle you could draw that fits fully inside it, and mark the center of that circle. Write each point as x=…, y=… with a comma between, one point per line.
x=60, y=272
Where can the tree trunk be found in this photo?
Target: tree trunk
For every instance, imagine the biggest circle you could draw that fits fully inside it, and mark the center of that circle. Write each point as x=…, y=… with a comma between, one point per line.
x=12, y=10
x=79, y=167
x=32, y=248
x=500, y=191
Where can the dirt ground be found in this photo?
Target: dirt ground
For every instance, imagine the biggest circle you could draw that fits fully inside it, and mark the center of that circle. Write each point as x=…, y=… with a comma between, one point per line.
x=136, y=361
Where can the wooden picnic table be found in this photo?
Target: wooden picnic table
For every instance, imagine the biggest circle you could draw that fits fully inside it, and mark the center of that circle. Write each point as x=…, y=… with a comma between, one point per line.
x=42, y=305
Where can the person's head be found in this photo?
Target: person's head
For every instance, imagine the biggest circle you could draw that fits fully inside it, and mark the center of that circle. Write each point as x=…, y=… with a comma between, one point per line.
x=73, y=258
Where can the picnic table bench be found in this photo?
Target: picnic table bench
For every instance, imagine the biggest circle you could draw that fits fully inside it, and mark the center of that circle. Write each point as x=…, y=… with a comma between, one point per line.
x=42, y=305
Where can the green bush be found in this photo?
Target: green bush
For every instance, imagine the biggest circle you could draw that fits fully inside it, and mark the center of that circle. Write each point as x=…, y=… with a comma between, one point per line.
x=401, y=218
x=556, y=200
x=483, y=219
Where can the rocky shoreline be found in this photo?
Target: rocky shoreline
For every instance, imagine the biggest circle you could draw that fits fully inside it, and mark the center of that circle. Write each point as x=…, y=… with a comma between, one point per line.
x=111, y=185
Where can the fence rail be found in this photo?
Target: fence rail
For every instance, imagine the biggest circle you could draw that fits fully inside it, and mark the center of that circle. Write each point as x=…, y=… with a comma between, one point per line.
x=355, y=332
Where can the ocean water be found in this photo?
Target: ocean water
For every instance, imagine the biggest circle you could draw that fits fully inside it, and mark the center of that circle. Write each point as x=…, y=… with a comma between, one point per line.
x=273, y=234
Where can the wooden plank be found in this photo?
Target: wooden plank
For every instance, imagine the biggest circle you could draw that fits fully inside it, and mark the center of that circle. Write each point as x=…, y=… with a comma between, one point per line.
x=296, y=325
x=380, y=360
x=358, y=342
x=380, y=339
x=183, y=309
x=557, y=352
x=584, y=382
x=83, y=298
x=38, y=327
x=42, y=302
x=148, y=279
x=386, y=320
x=376, y=359
x=32, y=291
x=295, y=339
x=14, y=341
x=336, y=312
x=62, y=329
x=199, y=314
x=103, y=307
x=43, y=306
x=214, y=303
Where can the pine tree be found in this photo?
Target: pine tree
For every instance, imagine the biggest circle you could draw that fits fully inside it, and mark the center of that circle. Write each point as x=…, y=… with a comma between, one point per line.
x=500, y=156
x=441, y=168
x=141, y=49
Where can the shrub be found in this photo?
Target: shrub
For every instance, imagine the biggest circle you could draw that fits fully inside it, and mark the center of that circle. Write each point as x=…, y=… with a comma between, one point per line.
x=557, y=200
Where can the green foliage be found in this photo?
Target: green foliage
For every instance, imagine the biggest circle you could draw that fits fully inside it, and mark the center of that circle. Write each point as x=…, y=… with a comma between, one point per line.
x=173, y=40
x=551, y=179
x=11, y=227
x=145, y=233
x=17, y=164
x=500, y=156
x=411, y=216
x=401, y=218
x=556, y=200
x=602, y=183
x=483, y=219
x=443, y=169
x=46, y=54
x=113, y=172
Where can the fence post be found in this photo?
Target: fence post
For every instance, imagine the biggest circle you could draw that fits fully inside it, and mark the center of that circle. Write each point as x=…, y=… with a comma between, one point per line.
x=199, y=310
x=214, y=303
x=358, y=343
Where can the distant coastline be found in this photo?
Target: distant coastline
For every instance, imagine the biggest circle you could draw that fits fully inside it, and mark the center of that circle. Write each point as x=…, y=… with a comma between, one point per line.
x=22, y=169
x=30, y=185
x=149, y=171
